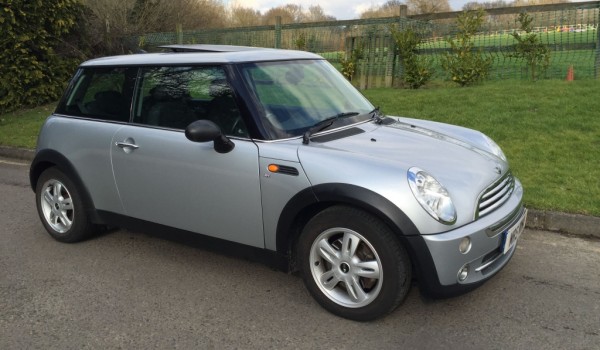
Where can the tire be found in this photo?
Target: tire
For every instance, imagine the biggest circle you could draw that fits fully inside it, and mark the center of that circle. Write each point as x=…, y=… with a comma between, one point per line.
x=370, y=280
x=60, y=207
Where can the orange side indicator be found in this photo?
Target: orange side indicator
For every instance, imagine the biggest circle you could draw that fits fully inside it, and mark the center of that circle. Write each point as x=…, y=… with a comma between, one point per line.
x=273, y=168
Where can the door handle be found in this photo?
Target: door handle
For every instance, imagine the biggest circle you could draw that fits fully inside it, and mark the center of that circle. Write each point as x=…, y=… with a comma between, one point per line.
x=126, y=144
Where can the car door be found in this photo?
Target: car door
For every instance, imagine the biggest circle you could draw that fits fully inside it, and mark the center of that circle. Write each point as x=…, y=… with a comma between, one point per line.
x=164, y=178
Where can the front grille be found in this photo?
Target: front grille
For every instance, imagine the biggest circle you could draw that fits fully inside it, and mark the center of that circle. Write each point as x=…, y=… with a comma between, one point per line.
x=495, y=195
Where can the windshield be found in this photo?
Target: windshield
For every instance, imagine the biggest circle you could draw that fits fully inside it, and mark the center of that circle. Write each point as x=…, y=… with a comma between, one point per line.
x=294, y=96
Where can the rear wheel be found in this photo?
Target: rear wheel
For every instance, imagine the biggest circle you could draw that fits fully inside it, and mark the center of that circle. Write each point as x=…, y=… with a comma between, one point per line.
x=352, y=264
x=60, y=207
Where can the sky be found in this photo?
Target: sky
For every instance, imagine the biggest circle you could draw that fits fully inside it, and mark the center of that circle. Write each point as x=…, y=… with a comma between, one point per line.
x=340, y=9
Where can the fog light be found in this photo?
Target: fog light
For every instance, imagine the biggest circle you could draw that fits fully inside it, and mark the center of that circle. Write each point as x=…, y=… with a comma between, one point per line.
x=465, y=245
x=463, y=273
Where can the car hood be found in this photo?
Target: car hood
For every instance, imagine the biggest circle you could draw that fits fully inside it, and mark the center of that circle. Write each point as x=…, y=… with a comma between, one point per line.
x=455, y=156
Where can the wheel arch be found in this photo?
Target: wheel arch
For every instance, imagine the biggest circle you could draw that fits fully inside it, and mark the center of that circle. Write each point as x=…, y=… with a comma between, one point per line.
x=310, y=201
x=48, y=158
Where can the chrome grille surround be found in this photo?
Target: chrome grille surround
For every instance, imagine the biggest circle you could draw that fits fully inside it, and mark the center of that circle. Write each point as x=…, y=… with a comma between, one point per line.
x=495, y=195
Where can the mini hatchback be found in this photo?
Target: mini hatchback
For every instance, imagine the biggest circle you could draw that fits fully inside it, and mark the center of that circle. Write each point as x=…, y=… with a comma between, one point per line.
x=273, y=150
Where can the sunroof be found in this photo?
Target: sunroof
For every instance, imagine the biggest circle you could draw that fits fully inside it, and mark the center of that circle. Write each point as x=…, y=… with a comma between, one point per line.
x=208, y=48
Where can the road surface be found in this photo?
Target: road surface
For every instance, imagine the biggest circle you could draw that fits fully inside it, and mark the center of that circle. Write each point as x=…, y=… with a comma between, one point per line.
x=134, y=291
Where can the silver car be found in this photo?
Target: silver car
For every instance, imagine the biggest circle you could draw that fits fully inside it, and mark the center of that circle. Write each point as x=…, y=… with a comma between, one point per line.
x=274, y=152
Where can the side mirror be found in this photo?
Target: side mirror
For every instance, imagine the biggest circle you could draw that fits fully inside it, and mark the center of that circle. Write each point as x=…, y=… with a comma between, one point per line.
x=205, y=131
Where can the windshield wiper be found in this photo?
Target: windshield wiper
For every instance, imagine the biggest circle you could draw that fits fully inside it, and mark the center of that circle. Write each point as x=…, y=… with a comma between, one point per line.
x=376, y=115
x=324, y=124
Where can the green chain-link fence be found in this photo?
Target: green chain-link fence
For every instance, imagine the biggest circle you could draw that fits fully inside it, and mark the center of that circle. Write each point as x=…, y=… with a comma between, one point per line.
x=570, y=31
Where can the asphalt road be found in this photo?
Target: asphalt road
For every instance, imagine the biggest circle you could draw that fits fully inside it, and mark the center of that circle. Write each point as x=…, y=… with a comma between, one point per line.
x=133, y=291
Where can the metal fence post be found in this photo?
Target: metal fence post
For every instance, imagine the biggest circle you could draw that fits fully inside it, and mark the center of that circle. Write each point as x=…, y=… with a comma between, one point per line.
x=278, y=32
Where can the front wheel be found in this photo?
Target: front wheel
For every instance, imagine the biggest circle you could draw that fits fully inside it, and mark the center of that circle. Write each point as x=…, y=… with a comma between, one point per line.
x=60, y=207
x=352, y=264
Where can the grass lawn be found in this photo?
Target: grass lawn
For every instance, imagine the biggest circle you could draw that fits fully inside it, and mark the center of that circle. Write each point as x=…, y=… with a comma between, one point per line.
x=20, y=128
x=548, y=38
x=549, y=130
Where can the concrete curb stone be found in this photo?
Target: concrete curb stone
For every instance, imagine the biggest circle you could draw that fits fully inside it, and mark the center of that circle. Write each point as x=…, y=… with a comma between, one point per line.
x=581, y=225
x=575, y=224
x=17, y=153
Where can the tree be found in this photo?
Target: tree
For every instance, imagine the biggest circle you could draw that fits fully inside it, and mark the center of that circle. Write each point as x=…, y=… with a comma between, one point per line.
x=474, y=5
x=270, y=17
x=390, y=8
x=486, y=5
x=244, y=16
x=291, y=13
x=296, y=12
x=35, y=60
x=536, y=2
x=315, y=13
x=110, y=21
x=140, y=9
x=428, y=6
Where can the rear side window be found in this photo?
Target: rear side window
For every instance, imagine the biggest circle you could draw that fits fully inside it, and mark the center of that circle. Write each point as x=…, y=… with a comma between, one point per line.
x=100, y=93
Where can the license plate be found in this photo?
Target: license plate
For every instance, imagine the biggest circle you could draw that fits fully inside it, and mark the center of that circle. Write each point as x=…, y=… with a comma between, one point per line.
x=512, y=234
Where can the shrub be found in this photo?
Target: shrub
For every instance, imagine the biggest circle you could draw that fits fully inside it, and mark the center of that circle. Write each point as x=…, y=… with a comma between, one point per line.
x=35, y=61
x=306, y=43
x=349, y=63
x=416, y=70
x=530, y=48
x=465, y=64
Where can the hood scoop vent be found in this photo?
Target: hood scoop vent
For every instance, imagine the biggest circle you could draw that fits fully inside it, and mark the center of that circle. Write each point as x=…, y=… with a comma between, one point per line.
x=337, y=135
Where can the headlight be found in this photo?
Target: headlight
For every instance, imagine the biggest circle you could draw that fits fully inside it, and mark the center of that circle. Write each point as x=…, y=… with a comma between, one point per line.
x=432, y=196
x=494, y=148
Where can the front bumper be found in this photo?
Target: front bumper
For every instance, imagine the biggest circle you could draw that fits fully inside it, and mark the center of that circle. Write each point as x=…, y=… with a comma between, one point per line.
x=440, y=260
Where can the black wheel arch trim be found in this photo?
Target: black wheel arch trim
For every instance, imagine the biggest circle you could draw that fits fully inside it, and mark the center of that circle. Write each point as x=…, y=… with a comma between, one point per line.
x=47, y=158
x=324, y=195
x=338, y=193
x=311, y=200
